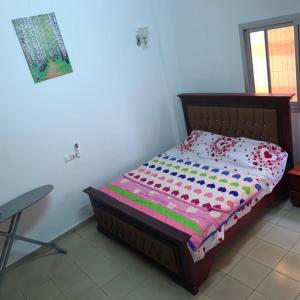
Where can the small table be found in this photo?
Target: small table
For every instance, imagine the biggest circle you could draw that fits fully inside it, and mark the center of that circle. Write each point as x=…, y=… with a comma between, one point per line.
x=13, y=209
x=294, y=185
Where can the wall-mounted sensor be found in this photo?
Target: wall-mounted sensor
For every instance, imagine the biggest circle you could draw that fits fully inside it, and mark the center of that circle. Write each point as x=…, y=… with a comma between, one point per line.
x=73, y=155
x=76, y=150
x=142, y=37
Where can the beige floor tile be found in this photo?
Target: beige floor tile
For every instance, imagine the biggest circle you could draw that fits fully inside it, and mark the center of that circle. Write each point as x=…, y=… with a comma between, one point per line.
x=49, y=262
x=244, y=244
x=282, y=237
x=88, y=263
x=58, y=297
x=69, y=276
x=278, y=287
x=181, y=294
x=31, y=280
x=142, y=269
x=256, y=296
x=78, y=248
x=161, y=284
x=290, y=266
x=259, y=228
x=298, y=297
x=291, y=221
x=213, y=279
x=141, y=292
x=46, y=291
x=267, y=254
x=296, y=248
x=275, y=214
x=249, y=272
x=230, y=289
x=86, y=290
x=28, y=266
x=225, y=261
x=127, y=257
x=105, y=272
x=71, y=242
x=97, y=267
x=109, y=247
x=14, y=294
x=8, y=284
x=89, y=230
x=120, y=286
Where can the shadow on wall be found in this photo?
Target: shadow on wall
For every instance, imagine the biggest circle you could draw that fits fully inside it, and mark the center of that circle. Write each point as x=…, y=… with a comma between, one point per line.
x=29, y=219
x=296, y=136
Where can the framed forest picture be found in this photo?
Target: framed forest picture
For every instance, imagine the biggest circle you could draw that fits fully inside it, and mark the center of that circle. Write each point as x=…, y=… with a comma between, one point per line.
x=43, y=46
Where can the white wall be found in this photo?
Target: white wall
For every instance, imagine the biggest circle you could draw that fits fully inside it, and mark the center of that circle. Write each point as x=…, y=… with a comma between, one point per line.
x=167, y=41
x=116, y=104
x=208, y=44
x=120, y=103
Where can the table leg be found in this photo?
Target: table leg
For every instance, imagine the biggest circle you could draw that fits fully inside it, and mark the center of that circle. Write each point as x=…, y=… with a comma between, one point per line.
x=9, y=241
x=11, y=225
x=52, y=246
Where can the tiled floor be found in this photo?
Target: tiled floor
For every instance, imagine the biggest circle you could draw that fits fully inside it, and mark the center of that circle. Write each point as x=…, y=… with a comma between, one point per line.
x=262, y=263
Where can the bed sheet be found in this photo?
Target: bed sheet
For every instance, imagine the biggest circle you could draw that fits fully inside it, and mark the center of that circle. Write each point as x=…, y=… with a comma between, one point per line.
x=201, y=197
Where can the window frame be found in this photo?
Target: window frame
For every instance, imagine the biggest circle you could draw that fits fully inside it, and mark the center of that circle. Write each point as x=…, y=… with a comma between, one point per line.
x=263, y=25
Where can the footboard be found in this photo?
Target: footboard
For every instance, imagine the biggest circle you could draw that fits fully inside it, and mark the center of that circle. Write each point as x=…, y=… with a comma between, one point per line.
x=157, y=241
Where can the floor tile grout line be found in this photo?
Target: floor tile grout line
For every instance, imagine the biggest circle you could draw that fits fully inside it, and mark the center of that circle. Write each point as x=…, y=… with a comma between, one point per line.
x=21, y=289
x=280, y=246
x=61, y=291
x=298, y=281
x=272, y=269
x=263, y=282
x=297, y=295
x=90, y=278
x=281, y=274
x=228, y=275
x=269, y=271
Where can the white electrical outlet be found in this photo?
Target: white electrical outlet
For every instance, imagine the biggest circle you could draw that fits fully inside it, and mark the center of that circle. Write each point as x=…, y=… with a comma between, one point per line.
x=69, y=157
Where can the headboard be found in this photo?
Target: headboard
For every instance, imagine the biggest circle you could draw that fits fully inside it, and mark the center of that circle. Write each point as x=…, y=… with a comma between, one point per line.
x=255, y=116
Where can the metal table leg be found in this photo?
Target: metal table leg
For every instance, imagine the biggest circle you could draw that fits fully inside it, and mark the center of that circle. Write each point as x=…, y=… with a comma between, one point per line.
x=11, y=226
x=52, y=246
x=8, y=242
x=10, y=236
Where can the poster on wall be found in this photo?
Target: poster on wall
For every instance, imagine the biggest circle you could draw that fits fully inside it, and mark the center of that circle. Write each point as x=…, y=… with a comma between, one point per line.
x=43, y=46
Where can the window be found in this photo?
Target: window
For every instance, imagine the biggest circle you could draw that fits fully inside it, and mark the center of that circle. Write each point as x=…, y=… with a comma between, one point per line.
x=270, y=50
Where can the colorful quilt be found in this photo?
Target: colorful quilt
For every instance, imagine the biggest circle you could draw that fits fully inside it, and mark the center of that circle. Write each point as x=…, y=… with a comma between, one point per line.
x=193, y=197
x=196, y=222
x=203, y=184
x=198, y=184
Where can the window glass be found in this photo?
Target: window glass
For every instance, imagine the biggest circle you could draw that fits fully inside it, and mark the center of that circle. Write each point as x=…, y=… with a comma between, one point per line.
x=259, y=61
x=281, y=48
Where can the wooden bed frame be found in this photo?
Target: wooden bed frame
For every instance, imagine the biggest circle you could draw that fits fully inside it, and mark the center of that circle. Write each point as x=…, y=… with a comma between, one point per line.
x=262, y=117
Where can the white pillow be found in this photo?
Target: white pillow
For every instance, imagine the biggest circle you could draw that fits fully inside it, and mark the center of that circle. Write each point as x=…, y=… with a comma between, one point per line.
x=241, y=151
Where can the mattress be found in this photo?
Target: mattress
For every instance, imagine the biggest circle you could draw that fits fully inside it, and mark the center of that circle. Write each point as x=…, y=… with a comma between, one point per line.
x=201, y=196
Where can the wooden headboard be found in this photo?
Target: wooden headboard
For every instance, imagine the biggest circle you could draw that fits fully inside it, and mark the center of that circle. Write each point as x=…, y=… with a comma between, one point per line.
x=260, y=117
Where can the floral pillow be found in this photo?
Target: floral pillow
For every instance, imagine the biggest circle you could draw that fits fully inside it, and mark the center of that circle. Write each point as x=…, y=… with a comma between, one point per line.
x=241, y=151
x=258, y=154
x=198, y=143
x=207, y=145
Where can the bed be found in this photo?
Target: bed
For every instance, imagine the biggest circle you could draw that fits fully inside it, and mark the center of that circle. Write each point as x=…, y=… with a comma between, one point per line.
x=260, y=117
